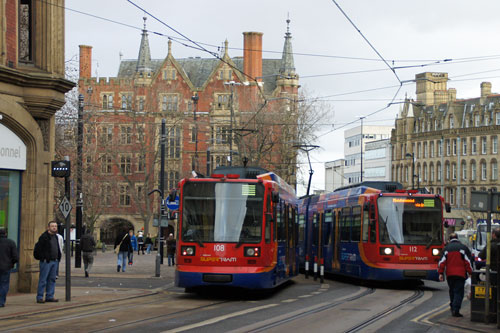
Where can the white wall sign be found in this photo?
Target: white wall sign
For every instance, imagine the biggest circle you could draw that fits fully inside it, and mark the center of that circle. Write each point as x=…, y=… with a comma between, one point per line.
x=12, y=150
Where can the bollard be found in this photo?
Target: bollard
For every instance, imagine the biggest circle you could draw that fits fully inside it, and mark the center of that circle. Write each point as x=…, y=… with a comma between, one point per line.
x=103, y=248
x=322, y=270
x=307, y=267
x=315, y=268
x=157, y=265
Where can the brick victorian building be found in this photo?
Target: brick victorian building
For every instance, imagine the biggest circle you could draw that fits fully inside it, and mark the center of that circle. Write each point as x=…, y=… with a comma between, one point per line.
x=32, y=88
x=203, y=101
x=454, y=142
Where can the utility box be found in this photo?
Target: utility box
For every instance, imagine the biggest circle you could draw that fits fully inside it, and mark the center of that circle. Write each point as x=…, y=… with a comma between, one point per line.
x=478, y=293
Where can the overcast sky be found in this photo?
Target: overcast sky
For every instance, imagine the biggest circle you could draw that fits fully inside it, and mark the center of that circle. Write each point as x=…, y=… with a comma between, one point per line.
x=327, y=47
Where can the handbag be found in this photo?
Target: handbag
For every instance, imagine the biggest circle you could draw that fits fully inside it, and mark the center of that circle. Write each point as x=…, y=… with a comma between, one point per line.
x=117, y=248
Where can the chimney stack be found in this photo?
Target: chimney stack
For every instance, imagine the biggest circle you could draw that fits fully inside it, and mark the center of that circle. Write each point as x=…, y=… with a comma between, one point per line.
x=85, y=61
x=485, y=89
x=252, y=54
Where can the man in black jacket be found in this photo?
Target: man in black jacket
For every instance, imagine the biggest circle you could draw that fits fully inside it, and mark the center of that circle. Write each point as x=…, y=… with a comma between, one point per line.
x=87, y=243
x=49, y=256
x=495, y=240
x=8, y=258
x=122, y=242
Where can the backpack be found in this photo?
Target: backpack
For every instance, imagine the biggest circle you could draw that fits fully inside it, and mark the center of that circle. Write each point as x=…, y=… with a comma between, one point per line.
x=37, y=251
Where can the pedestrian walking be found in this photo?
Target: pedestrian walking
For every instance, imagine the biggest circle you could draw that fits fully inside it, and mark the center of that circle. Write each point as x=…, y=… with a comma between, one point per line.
x=171, y=246
x=140, y=243
x=48, y=252
x=133, y=241
x=495, y=240
x=456, y=262
x=8, y=258
x=87, y=243
x=122, y=247
x=149, y=244
x=60, y=240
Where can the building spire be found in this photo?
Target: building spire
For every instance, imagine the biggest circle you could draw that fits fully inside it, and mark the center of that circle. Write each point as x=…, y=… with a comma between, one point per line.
x=287, y=67
x=144, y=59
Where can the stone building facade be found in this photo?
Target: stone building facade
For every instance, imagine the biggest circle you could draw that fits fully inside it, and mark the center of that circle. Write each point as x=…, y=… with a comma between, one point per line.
x=203, y=101
x=454, y=142
x=32, y=88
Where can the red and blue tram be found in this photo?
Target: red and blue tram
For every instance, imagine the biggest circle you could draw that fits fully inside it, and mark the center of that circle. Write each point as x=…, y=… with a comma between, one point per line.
x=236, y=228
x=372, y=231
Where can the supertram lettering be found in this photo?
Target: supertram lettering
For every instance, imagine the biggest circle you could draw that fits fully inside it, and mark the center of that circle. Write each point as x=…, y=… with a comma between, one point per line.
x=413, y=258
x=218, y=259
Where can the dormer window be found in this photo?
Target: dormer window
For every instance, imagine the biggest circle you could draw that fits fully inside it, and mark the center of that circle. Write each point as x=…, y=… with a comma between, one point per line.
x=452, y=121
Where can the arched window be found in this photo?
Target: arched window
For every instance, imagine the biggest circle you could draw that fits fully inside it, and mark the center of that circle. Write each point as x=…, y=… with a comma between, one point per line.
x=472, y=170
x=431, y=172
x=425, y=172
x=464, y=170
x=483, y=170
x=494, y=169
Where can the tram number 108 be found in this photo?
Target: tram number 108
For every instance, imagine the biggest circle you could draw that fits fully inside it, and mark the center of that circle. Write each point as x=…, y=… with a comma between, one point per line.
x=219, y=248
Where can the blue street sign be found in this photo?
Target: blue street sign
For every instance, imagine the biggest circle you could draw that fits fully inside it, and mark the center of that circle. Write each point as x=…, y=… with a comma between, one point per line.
x=173, y=205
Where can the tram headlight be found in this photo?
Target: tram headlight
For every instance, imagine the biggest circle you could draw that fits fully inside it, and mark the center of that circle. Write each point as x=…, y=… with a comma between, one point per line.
x=187, y=250
x=436, y=252
x=253, y=251
x=387, y=251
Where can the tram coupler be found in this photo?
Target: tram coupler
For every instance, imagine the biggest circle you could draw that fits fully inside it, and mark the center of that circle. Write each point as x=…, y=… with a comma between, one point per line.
x=307, y=267
x=315, y=268
x=322, y=270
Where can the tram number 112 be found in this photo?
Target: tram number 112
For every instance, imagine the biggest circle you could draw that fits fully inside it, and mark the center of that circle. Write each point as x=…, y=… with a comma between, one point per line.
x=413, y=249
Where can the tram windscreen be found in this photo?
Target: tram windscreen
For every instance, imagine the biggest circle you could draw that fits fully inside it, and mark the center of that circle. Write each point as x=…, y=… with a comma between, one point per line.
x=222, y=212
x=410, y=220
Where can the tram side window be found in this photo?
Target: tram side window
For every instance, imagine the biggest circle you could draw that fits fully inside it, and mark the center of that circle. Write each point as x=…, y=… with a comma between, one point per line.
x=291, y=222
x=356, y=224
x=366, y=220
x=281, y=224
x=328, y=227
x=269, y=218
x=345, y=224
x=302, y=224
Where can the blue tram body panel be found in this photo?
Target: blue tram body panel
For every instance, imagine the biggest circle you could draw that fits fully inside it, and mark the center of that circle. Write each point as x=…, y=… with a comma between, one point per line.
x=348, y=257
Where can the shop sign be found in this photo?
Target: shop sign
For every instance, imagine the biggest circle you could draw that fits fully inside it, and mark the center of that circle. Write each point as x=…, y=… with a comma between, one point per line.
x=12, y=150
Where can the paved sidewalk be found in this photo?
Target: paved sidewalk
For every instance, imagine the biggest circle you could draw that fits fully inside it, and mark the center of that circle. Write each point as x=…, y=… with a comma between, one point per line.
x=104, y=268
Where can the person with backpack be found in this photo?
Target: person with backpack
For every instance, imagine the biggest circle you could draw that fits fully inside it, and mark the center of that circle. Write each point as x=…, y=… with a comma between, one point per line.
x=48, y=252
x=140, y=243
x=8, y=258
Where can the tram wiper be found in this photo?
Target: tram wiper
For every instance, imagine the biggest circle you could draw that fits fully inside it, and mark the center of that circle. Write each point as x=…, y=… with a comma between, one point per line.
x=240, y=243
x=200, y=243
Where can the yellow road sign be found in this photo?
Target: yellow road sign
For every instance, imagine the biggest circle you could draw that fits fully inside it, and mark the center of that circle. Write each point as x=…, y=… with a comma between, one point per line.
x=479, y=292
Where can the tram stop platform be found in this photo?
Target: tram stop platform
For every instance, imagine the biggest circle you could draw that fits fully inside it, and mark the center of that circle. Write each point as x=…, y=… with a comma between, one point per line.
x=104, y=285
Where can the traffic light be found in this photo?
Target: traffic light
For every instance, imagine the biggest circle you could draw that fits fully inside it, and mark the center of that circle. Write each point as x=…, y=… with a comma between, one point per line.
x=61, y=168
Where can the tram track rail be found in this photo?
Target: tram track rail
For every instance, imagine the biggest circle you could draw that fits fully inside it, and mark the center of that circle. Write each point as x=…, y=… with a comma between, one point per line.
x=102, y=308
x=416, y=295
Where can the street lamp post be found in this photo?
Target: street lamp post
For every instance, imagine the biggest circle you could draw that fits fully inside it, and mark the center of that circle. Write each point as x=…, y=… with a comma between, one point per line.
x=412, y=155
x=195, y=99
x=307, y=149
x=361, y=158
x=79, y=198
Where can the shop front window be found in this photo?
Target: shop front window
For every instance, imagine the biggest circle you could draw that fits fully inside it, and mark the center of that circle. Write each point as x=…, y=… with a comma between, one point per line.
x=10, y=182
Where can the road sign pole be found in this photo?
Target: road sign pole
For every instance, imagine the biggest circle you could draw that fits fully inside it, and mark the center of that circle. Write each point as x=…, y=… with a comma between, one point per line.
x=68, y=244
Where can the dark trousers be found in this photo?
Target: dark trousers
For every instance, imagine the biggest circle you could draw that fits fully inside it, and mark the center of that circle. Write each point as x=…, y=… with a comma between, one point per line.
x=88, y=261
x=140, y=248
x=456, y=285
x=4, y=286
